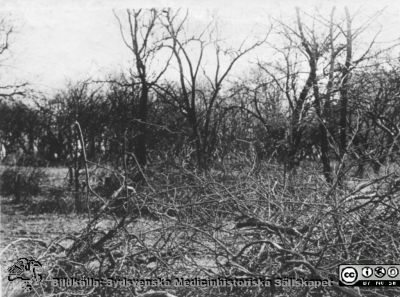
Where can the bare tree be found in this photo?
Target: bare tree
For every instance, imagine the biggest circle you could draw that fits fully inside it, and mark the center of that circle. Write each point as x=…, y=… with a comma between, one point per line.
x=315, y=74
x=199, y=95
x=8, y=91
x=303, y=95
x=144, y=38
x=374, y=92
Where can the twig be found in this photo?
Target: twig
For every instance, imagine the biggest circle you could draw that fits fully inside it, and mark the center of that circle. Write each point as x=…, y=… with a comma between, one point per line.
x=88, y=187
x=78, y=126
x=141, y=171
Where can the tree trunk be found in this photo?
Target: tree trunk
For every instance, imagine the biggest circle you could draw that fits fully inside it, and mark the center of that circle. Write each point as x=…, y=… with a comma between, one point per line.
x=344, y=89
x=92, y=148
x=201, y=154
x=141, y=148
x=323, y=140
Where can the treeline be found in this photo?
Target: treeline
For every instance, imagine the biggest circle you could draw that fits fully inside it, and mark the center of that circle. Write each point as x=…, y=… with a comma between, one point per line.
x=320, y=99
x=45, y=134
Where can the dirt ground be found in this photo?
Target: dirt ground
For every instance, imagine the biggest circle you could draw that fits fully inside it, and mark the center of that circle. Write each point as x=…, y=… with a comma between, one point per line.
x=16, y=224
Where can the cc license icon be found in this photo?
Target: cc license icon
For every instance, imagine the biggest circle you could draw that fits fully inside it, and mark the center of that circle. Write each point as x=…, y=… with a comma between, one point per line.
x=349, y=275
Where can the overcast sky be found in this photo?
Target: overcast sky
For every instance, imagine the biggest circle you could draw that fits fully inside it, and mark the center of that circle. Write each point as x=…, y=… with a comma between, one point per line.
x=57, y=41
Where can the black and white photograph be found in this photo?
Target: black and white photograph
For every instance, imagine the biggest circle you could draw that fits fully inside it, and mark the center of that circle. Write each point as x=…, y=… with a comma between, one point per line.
x=200, y=148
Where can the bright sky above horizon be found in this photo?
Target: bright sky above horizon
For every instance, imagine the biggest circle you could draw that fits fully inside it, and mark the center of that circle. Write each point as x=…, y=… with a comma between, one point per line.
x=56, y=42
